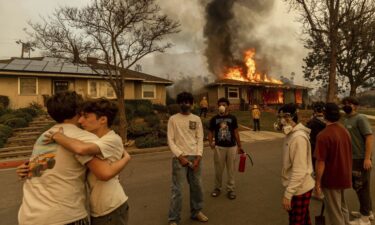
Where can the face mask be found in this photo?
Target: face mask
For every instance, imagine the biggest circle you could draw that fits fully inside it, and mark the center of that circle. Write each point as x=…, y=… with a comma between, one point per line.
x=347, y=109
x=287, y=129
x=185, y=108
x=279, y=124
x=221, y=109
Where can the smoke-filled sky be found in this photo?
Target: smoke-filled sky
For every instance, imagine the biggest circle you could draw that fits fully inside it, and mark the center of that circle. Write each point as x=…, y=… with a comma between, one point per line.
x=265, y=25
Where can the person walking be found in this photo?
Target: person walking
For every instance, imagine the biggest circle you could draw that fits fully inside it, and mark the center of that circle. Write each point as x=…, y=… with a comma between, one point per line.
x=185, y=139
x=227, y=144
x=203, y=107
x=297, y=169
x=256, y=117
x=333, y=167
x=362, y=142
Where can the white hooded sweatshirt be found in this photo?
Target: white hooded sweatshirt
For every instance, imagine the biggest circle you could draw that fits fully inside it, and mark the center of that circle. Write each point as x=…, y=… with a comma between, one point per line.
x=297, y=168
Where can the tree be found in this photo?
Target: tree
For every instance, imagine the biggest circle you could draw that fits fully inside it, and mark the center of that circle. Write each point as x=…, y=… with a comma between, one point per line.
x=320, y=20
x=118, y=33
x=355, y=53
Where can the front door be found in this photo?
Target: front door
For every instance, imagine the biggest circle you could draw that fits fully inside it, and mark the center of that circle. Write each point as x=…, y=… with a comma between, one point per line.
x=60, y=86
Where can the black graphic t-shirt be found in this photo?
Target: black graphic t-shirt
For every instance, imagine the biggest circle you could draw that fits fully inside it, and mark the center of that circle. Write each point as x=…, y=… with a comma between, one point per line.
x=223, y=127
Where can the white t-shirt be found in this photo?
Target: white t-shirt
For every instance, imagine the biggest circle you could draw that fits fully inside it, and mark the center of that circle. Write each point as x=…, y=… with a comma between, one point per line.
x=106, y=196
x=58, y=196
x=185, y=134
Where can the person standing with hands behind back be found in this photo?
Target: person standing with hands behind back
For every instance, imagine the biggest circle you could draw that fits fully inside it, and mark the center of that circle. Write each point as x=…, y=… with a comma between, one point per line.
x=227, y=143
x=185, y=139
x=256, y=117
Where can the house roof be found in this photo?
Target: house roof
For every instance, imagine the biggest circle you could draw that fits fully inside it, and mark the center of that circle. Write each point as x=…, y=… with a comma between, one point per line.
x=56, y=67
x=254, y=84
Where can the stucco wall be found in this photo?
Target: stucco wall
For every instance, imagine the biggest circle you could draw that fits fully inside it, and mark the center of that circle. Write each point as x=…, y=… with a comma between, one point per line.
x=9, y=87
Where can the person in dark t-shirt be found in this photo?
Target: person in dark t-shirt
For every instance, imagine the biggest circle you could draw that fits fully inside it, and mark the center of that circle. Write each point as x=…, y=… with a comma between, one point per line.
x=316, y=124
x=333, y=155
x=227, y=143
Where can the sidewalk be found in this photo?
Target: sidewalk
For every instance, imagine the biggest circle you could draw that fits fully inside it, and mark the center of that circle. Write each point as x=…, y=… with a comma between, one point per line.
x=246, y=136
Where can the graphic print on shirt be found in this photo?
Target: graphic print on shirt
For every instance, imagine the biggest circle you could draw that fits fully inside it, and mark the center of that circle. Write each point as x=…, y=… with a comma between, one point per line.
x=192, y=125
x=224, y=133
x=43, y=158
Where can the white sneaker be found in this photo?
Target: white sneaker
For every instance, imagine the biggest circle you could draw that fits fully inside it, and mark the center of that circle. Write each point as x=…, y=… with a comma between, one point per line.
x=363, y=220
x=358, y=215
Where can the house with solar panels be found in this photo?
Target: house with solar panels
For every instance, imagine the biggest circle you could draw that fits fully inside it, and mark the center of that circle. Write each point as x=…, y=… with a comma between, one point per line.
x=32, y=79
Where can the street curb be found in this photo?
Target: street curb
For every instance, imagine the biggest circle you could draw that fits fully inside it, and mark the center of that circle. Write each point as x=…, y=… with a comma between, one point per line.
x=6, y=164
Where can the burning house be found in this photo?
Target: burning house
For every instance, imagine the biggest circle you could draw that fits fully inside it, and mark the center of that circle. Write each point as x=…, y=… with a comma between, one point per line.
x=243, y=85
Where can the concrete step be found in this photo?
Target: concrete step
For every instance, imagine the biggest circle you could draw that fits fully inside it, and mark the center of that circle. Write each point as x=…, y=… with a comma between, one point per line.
x=26, y=134
x=29, y=129
x=42, y=123
x=12, y=142
x=12, y=154
x=16, y=148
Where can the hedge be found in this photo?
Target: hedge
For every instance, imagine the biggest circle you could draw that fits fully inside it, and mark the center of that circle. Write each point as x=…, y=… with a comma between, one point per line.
x=150, y=141
x=6, y=117
x=152, y=120
x=4, y=101
x=23, y=114
x=32, y=111
x=16, y=122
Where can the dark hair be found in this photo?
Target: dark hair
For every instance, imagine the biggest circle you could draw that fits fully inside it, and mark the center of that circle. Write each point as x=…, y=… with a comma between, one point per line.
x=350, y=100
x=63, y=105
x=332, y=112
x=101, y=107
x=290, y=109
x=318, y=107
x=185, y=97
x=223, y=100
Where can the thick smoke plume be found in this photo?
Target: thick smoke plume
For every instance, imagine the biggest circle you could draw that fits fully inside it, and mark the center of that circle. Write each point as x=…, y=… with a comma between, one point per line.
x=231, y=28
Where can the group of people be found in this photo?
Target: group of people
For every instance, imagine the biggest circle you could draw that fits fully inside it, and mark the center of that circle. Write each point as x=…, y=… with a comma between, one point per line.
x=341, y=154
x=69, y=164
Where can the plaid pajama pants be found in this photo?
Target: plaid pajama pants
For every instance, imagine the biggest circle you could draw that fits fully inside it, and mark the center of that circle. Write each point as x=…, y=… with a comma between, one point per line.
x=300, y=214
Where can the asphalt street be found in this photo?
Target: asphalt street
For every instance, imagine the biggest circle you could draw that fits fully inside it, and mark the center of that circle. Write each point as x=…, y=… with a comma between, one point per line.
x=147, y=180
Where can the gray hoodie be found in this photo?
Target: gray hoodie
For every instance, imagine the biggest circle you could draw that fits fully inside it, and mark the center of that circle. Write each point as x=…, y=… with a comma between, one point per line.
x=296, y=174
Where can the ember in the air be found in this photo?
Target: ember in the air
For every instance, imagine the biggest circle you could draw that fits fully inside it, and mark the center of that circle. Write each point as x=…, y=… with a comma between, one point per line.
x=251, y=75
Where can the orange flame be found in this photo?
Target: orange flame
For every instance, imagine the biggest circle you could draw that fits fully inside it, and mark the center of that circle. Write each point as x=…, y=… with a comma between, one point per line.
x=236, y=73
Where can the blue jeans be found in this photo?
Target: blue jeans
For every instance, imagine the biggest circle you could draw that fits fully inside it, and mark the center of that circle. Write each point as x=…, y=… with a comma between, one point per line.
x=196, y=195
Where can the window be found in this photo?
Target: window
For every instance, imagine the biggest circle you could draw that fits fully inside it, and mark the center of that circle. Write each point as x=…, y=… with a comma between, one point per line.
x=93, y=89
x=28, y=86
x=110, y=92
x=233, y=92
x=148, y=91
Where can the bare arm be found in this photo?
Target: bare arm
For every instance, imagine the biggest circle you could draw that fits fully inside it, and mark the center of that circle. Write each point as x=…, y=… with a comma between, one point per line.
x=239, y=146
x=74, y=145
x=319, y=170
x=211, y=139
x=104, y=170
x=369, y=142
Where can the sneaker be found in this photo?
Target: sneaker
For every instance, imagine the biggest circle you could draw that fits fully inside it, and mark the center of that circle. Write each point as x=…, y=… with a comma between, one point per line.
x=363, y=220
x=358, y=215
x=216, y=192
x=200, y=217
x=231, y=195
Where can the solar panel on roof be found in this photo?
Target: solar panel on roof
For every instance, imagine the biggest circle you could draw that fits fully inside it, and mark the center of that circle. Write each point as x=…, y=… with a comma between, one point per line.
x=36, y=66
x=69, y=69
x=13, y=66
x=53, y=67
x=2, y=65
x=20, y=61
x=85, y=70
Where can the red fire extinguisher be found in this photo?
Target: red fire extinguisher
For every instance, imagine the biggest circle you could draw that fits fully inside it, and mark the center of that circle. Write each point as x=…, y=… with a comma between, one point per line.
x=242, y=164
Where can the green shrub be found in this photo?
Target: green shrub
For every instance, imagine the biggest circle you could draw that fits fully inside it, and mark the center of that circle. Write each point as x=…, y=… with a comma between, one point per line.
x=23, y=114
x=2, y=142
x=160, y=108
x=150, y=141
x=137, y=130
x=4, y=111
x=38, y=107
x=152, y=120
x=143, y=110
x=16, y=122
x=4, y=101
x=32, y=111
x=6, y=117
x=5, y=131
x=173, y=109
x=129, y=111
